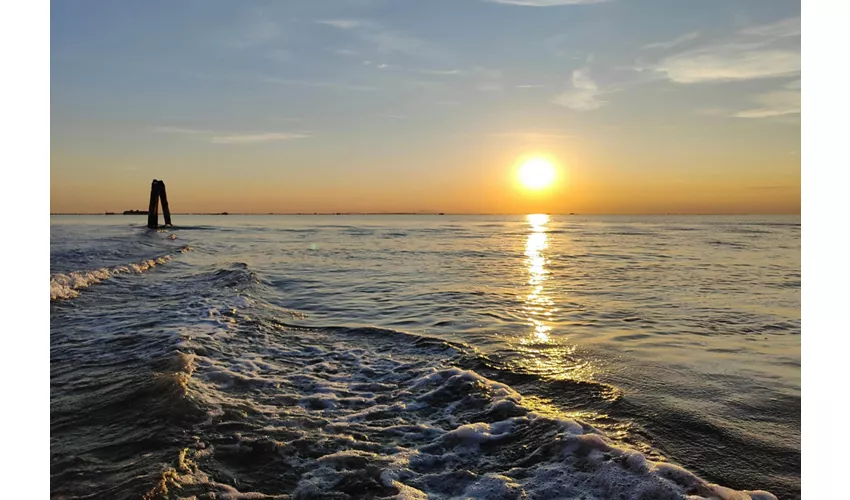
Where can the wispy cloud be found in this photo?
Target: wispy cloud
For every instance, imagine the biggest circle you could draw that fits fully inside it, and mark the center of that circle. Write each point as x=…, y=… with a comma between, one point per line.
x=383, y=40
x=780, y=29
x=255, y=138
x=545, y=3
x=729, y=63
x=776, y=103
x=439, y=72
x=345, y=24
x=233, y=138
x=319, y=84
x=668, y=44
x=584, y=94
x=754, y=53
x=345, y=52
x=381, y=65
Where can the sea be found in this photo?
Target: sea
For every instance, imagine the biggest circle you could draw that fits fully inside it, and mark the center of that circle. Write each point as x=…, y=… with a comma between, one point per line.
x=425, y=356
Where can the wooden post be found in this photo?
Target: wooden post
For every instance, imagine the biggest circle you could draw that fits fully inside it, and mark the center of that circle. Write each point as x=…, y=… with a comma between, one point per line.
x=164, y=200
x=153, y=215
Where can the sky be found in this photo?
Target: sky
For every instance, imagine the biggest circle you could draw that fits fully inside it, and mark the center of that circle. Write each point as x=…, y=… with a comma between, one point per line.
x=643, y=106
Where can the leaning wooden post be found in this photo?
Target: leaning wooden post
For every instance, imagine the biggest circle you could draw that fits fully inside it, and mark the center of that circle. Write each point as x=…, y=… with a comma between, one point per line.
x=164, y=200
x=153, y=214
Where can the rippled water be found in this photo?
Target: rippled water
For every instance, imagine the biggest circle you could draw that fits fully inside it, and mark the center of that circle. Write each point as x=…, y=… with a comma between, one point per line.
x=448, y=356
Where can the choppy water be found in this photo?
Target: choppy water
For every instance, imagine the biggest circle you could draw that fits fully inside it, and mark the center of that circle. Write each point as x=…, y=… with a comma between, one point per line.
x=447, y=356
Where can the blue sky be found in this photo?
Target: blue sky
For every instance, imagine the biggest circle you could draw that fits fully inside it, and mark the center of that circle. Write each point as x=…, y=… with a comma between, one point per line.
x=402, y=104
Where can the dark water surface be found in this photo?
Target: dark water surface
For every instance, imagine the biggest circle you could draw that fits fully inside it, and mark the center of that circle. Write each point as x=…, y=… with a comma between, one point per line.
x=425, y=356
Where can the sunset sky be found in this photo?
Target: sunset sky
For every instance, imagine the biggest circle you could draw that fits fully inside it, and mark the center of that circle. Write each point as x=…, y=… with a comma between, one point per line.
x=643, y=106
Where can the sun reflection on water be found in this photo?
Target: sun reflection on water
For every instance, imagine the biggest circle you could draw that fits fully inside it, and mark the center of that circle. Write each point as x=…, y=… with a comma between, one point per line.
x=544, y=354
x=538, y=305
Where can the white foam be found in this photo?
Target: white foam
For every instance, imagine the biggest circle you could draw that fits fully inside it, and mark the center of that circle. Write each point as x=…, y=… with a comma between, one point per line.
x=480, y=432
x=422, y=430
x=493, y=487
x=67, y=286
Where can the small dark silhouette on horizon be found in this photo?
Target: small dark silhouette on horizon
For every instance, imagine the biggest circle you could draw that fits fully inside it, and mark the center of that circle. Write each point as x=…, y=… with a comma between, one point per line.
x=157, y=195
x=135, y=212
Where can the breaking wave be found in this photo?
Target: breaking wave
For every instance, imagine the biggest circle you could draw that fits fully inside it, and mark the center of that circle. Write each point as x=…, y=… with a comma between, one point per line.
x=67, y=286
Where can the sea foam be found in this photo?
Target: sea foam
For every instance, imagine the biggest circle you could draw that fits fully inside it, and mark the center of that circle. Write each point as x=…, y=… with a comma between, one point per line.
x=347, y=415
x=67, y=286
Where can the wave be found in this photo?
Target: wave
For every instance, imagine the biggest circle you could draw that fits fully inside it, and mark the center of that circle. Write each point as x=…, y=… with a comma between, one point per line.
x=67, y=286
x=418, y=432
x=344, y=412
x=258, y=407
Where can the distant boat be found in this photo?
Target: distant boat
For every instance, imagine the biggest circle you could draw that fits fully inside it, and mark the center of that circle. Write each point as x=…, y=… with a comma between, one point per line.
x=109, y=213
x=224, y=213
x=441, y=213
x=135, y=212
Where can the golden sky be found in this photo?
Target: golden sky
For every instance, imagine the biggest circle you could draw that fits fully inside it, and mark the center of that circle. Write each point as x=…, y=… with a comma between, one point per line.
x=366, y=107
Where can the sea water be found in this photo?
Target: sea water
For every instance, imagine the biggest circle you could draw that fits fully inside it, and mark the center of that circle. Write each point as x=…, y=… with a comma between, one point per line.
x=497, y=357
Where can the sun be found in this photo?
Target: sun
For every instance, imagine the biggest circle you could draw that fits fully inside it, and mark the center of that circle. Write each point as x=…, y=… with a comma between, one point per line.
x=536, y=173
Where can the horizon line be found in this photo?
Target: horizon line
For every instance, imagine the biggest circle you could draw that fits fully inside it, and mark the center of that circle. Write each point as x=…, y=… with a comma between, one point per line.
x=436, y=213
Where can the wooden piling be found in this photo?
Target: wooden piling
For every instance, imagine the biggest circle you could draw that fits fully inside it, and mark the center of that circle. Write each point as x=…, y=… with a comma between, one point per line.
x=153, y=215
x=164, y=200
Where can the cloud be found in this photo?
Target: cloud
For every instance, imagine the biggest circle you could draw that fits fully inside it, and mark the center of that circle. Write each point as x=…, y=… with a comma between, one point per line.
x=439, y=72
x=545, y=3
x=345, y=52
x=584, y=96
x=381, y=65
x=776, y=103
x=345, y=24
x=672, y=43
x=385, y=41
x=319, y=84
x=256, y=138
x=756, y=52
x=781, y=29
x=729, y=63
x=233, y=138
